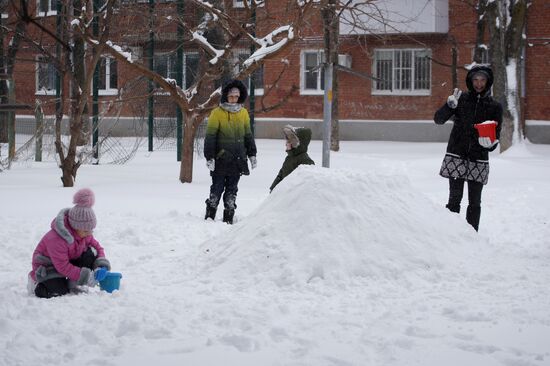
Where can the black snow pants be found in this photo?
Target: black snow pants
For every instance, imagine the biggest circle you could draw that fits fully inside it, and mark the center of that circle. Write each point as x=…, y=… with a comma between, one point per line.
x=60, y=286
x=226, y=184
x=456, y=191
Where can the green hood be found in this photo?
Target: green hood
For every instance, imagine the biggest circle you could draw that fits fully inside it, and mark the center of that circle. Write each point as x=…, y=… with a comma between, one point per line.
x=304, y=136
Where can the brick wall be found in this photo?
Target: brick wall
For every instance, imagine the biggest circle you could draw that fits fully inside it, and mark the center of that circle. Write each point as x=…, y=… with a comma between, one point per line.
x=356, y=98
x=537, y=70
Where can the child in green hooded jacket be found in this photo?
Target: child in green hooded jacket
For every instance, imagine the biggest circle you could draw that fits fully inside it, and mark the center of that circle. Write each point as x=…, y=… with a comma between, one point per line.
x=297, y=141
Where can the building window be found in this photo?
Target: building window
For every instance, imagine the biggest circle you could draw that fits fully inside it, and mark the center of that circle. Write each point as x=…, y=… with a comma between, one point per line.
x=46, y=7
x=161, y=64
x=191, y=67
x=484, y=54
x=45, y=77
x=402, y=71
x=240, y=3
x=165, y=65
x=311, y=71
x=241, y=56
x=108, y=76
x=4, y=4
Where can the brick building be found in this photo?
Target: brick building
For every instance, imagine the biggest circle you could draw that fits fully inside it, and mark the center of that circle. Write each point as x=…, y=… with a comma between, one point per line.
x=409, y=60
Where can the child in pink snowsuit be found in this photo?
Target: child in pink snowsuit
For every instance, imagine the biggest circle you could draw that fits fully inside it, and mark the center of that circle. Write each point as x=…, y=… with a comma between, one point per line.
x=68, y=255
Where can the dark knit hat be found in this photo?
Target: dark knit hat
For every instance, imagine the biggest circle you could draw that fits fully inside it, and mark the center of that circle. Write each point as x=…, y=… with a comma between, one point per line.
x=483, y=73
x=82, y=216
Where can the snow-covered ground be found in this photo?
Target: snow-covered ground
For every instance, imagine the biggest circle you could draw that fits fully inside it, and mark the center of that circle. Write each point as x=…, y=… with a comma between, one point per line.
x=359, y=264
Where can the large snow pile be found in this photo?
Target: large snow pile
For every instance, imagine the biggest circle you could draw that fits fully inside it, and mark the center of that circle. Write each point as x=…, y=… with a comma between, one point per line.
x=336, y=224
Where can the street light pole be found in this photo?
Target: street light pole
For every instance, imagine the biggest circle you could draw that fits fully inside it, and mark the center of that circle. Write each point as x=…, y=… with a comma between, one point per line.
x=327, y=114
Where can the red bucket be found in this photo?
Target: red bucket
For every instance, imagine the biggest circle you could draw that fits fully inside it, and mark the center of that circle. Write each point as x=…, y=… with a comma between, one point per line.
x=487, y=129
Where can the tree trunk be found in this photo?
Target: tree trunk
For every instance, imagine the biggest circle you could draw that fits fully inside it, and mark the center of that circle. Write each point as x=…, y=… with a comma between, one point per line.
x=8, y=89
x=3, y=89
x=506, y=23
x=515, y=50
x=498, y=63
x=79, y=71
x=480, y=31
x=69, y=168
x=187, y=151
x=3, y=114
x=331, y=37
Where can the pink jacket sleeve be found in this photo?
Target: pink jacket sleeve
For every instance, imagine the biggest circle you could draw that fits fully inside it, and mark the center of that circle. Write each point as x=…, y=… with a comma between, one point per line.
x=100, y=251
x=59, y=254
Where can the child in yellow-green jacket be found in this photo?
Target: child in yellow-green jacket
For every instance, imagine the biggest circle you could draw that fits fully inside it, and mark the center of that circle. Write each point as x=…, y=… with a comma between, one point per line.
x=227, y=145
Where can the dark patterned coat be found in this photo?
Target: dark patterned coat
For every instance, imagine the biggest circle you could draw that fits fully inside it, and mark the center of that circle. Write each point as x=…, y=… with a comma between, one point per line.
x=465, y=157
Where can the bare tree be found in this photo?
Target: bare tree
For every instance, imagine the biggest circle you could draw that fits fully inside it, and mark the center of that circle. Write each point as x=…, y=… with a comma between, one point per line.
x=8, y=55
x=506, y=21
x=65, y=50
x=480, y=9
x=364, y=17
x=217, y=35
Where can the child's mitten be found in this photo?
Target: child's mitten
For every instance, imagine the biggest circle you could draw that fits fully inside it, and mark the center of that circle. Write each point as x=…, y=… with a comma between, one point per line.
x=253, y=162
x=102, y=262
x=86, y=278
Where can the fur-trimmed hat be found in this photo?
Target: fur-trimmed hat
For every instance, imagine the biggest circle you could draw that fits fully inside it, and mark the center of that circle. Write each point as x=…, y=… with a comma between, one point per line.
x=243, y=93
x=82, y=216
x=291, y=136
x=480, y=69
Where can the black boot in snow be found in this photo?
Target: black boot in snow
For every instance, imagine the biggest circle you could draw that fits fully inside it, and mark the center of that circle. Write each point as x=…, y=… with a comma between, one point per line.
x=210, y=213
x=472, y=216
x=228, y=216
x=453, y=207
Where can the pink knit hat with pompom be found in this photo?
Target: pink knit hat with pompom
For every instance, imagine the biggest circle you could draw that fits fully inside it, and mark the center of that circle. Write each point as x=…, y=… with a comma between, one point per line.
x=81, y=216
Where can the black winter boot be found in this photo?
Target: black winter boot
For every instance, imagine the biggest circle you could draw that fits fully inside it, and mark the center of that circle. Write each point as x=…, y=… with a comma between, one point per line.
x=472, y=216
x=228, y=216
x=453, y=207
x=210, y=213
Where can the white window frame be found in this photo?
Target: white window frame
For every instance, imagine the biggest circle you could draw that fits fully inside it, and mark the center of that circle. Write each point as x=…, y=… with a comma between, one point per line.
x=236, y=69
x=172, y=65
x=394, y=90
x=50, y=11
x=108, y=90
x=41, y=91
x=320, y=59
x=484, y=55
x=240, y=3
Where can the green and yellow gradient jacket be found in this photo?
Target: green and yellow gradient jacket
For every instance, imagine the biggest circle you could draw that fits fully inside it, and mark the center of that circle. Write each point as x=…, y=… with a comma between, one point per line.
x=229, y=140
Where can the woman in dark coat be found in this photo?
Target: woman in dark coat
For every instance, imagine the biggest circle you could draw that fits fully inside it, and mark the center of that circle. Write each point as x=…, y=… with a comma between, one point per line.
x=467, y=157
